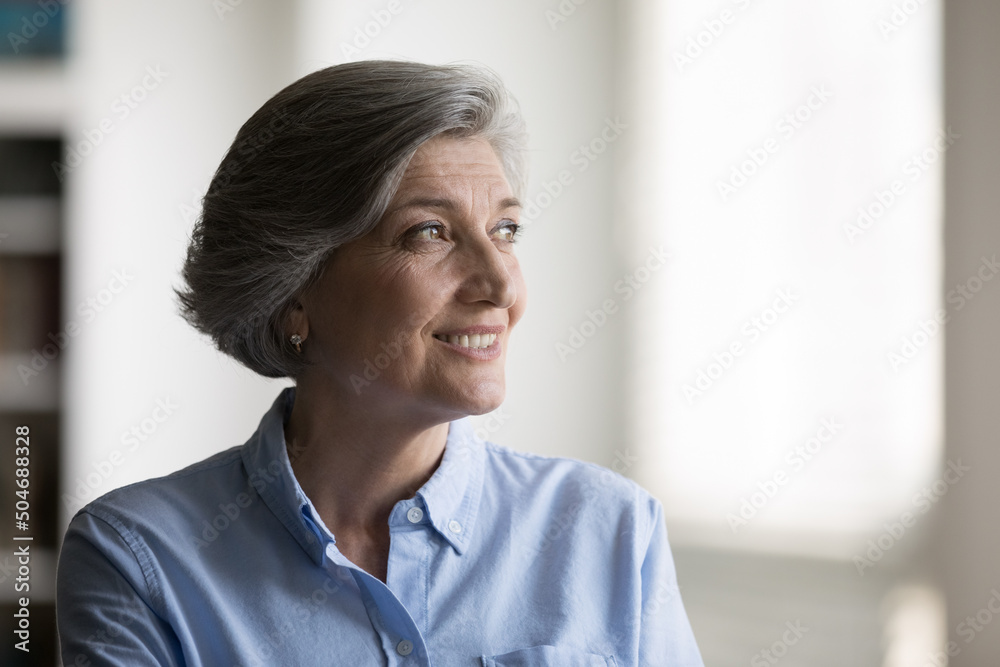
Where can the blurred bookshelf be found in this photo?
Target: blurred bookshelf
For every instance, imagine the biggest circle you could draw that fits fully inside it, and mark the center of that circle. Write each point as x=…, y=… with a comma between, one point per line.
x=33, y=104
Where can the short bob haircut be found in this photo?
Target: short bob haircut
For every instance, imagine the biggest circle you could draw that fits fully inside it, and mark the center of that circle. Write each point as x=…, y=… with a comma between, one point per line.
x=314, y=168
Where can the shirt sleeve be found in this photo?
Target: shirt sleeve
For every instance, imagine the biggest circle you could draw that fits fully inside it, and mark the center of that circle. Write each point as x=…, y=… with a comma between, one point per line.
x=103, y=602
x=665, y=636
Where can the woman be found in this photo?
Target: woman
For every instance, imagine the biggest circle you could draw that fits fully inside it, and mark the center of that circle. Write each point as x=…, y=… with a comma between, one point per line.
x=359, y=237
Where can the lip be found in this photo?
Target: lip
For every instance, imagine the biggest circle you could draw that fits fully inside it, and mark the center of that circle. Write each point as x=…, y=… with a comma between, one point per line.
x=477, y=353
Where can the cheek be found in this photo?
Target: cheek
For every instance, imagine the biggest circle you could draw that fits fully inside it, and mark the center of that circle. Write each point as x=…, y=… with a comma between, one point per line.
x=408, y=302
x=517, y=310
x=387, y=296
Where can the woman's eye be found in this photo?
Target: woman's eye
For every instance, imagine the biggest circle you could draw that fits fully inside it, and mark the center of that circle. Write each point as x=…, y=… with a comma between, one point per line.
x=508, y=231
x=428, y=233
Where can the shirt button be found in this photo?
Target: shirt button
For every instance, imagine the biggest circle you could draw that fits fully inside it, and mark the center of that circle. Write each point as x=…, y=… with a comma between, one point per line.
x=404, y=647
x=454, y=526
x=415, y=514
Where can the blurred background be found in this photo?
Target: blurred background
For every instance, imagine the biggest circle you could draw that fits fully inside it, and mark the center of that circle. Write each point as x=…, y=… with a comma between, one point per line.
x=760, y=247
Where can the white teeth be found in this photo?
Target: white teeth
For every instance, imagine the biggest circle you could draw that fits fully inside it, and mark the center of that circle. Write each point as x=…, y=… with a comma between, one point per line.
x=476, y=341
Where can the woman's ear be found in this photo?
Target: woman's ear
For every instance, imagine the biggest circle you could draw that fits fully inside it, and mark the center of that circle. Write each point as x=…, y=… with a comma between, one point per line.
x=297, y=322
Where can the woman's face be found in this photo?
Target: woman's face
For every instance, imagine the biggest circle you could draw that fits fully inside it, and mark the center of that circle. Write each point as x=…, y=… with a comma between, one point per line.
x=417, y=314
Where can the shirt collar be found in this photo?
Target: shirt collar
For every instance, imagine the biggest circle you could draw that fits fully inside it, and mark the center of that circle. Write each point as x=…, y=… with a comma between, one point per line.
x=450, y=497
x=452, y=493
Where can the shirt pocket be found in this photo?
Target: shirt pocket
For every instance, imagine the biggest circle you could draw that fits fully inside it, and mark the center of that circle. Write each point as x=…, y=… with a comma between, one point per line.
x=549, y=656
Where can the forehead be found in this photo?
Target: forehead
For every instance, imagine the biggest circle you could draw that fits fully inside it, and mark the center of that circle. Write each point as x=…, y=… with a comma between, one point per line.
x=443, y=161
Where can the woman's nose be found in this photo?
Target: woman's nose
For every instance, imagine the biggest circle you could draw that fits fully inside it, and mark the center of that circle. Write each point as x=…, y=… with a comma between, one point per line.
x=487, y=275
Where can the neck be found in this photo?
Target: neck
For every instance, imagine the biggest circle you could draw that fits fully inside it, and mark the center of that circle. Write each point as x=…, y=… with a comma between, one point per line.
x=355, y=461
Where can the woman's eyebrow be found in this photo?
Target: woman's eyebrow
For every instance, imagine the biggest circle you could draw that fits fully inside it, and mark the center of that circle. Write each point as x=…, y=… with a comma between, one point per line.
x=426, y=202
x=448, y=204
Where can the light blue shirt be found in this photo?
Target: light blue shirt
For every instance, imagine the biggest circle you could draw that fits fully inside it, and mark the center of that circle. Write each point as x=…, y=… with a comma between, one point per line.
x=501, y=559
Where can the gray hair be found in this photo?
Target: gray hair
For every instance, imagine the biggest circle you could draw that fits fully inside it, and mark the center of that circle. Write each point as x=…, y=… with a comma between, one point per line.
x=314, y=168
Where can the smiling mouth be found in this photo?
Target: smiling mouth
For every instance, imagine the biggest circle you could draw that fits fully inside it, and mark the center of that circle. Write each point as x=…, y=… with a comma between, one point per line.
x=475, y=341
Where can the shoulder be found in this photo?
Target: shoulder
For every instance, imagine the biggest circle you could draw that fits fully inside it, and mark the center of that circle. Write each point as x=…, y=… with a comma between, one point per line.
x=185, y=492
x=558, y=471
x=136, y=530
x=562, y=486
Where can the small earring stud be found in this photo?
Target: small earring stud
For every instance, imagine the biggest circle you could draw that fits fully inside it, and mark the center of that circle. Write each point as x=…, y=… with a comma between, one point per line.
x=296, y=340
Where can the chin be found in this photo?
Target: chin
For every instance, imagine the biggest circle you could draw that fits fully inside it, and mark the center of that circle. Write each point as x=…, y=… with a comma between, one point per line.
x=481, y=400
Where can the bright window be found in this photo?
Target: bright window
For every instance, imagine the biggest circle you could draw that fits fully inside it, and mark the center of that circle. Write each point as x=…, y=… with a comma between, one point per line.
x=789, y=361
